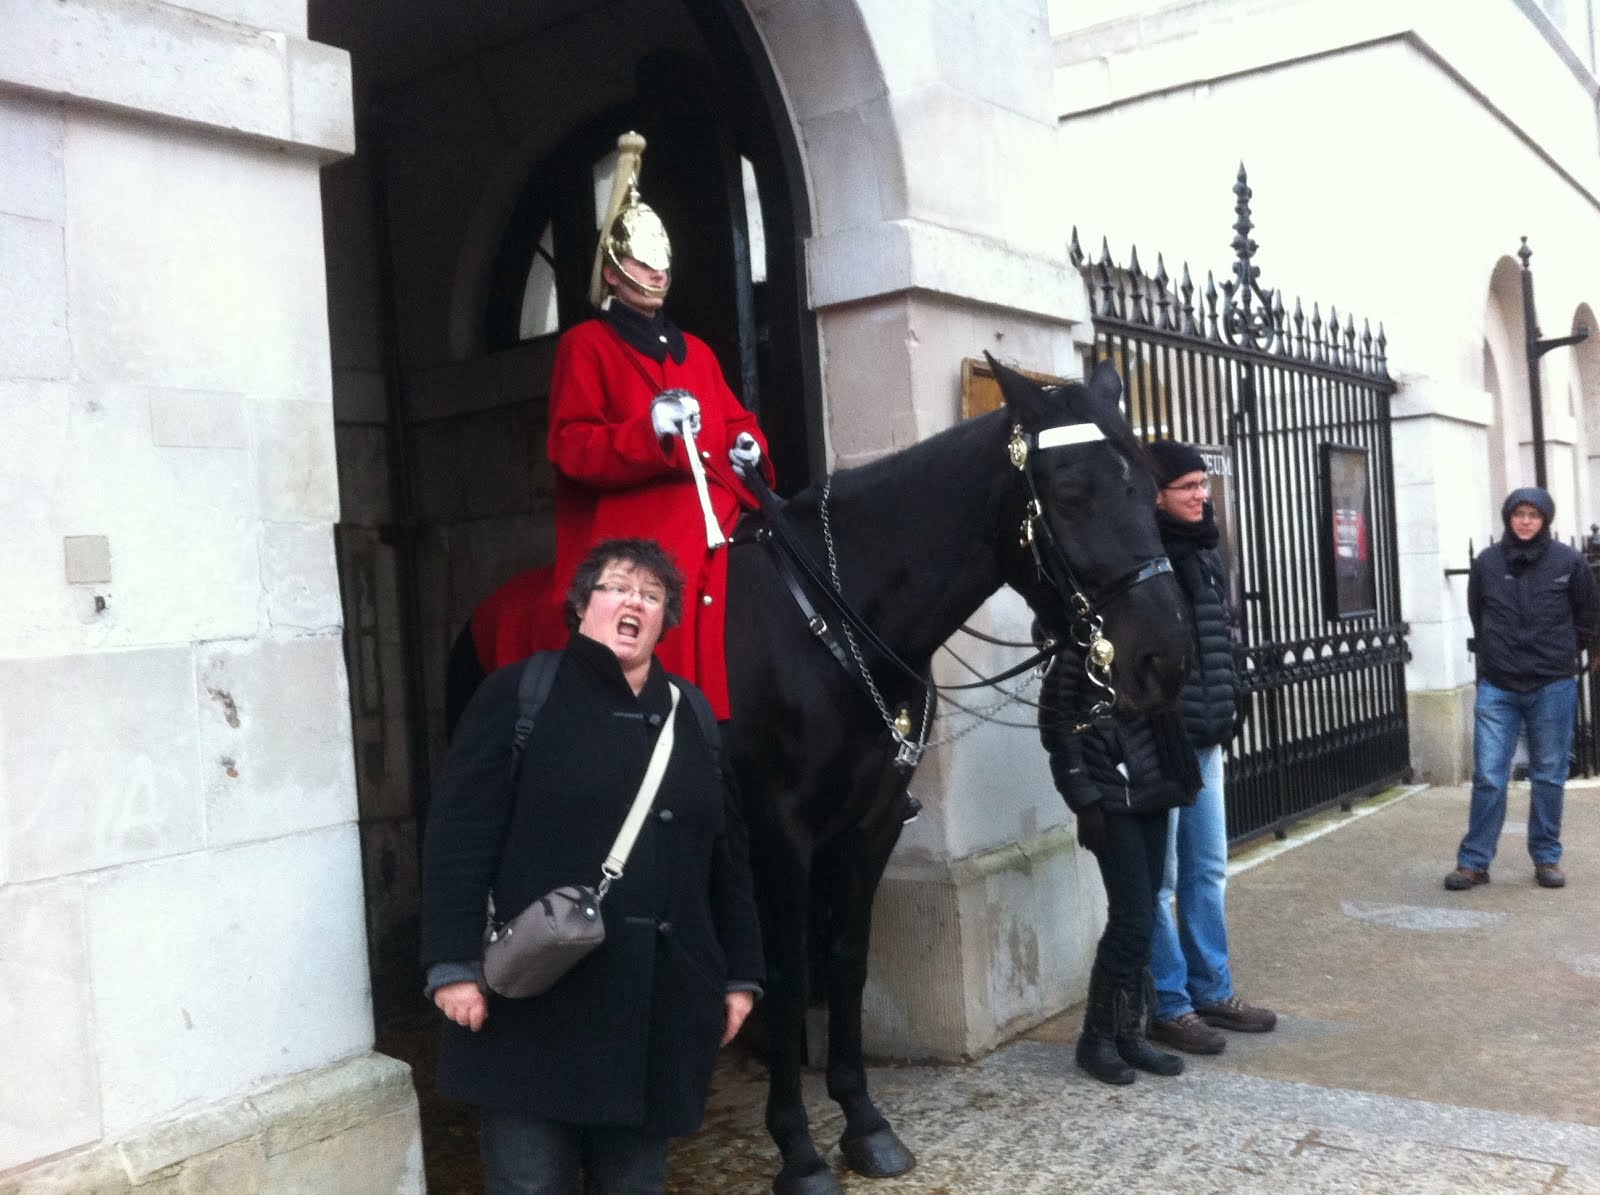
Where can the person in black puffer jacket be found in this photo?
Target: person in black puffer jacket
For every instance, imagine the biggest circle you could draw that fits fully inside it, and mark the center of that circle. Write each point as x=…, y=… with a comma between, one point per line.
x=1534, y=607
x=1120, y=779
x=1189, y=954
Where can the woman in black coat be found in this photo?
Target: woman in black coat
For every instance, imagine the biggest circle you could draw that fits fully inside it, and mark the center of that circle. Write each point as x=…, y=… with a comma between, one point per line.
x=595, y=1074
x=1120, y=778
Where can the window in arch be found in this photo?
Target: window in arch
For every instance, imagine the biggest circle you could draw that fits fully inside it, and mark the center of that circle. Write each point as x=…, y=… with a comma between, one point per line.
x=540, y=314
x=754, y=228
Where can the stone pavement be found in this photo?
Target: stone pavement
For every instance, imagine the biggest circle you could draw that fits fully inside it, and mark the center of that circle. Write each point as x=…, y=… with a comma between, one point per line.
x=1429, y=1042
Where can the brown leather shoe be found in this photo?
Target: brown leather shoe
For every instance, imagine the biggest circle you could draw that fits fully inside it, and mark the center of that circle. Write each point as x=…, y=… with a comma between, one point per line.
x=1463, y=878
x=1187, y=1033
x=1233, y=1013
x=1549, y=875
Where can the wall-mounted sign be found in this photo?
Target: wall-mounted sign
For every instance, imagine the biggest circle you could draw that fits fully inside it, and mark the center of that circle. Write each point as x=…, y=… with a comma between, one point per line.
x=1349, y=585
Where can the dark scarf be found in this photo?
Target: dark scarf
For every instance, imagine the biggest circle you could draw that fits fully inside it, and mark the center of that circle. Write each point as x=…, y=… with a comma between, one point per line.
x=1184, y=542
x=1522, y=555
x=653, y=335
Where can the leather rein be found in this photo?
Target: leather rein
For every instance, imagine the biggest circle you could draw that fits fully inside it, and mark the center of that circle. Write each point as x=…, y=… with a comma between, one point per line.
x=799, y=570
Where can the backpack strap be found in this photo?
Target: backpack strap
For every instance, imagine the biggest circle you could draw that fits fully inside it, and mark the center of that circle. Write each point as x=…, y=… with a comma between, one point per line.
x=709, y=730
x=538, y=675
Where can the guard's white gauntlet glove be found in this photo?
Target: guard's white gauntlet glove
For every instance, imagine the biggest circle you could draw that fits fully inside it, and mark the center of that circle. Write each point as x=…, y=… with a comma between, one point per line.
x=745, y=454
x=673, y=409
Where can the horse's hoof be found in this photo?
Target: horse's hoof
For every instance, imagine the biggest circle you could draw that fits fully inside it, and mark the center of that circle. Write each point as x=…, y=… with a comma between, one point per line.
x=878, y=1154
x=818, y=1182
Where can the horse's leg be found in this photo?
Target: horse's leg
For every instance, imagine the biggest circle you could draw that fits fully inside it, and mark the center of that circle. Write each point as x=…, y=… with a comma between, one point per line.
x=852, y=870
x=782, y=874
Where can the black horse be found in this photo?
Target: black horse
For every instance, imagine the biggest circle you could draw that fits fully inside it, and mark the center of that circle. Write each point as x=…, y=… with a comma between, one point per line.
x=919, y=540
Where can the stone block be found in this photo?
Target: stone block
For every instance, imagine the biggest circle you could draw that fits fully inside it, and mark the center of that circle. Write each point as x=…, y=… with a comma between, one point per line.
x=301, y=577
x=1440, y=722
x=220, y=242
x=31, y=132
x=97, y=1170
x=98, y=752
x=216, y=972
x=87, y=559
x=859, y=169
x=363, y=452
x=823, y=54
x=33, y=299
x=190, y=420
x=49, y=1092
x=279, y=16
x=360, y=396
x=240, y=1167
x=296, y=461
x=382, y=1157
x=191, y=1143
x=332, y=1101
x=173, y=61
x=274, y=737
x=182, y=521
x=321, y=108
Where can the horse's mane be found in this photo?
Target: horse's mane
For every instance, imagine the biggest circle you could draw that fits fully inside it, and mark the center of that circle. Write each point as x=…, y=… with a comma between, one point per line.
x=912, y=459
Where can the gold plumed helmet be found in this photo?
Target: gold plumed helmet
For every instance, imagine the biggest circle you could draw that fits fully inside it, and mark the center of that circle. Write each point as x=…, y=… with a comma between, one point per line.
x=631, y=227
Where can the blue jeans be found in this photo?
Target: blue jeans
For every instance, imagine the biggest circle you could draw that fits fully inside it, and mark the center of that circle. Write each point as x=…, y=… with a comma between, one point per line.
x=1189, y=954
x=1500, y=716
x=525, y=1154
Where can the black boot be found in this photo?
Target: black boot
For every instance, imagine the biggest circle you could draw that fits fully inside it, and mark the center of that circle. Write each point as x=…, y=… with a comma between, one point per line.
x=1137, y=995
x=1097, y=1045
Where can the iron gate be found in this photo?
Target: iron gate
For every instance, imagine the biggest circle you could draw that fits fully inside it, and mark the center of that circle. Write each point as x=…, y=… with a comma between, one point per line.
x=1298, y=410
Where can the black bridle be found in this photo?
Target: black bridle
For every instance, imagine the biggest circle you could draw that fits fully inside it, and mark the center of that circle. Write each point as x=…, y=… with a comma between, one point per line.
x=1085, y=622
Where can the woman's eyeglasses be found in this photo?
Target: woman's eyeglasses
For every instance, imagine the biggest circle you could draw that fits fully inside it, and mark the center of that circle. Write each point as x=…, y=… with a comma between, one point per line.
x=1189, y=487
x=649, y=597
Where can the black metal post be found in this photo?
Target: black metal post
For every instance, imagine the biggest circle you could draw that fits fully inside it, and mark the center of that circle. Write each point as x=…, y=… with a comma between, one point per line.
x=1536, y=350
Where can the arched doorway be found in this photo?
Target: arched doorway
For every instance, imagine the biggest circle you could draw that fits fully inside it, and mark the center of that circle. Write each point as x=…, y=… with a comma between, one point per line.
x=480, y=128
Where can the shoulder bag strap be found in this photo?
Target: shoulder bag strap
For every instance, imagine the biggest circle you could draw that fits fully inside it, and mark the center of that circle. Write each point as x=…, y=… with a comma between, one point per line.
x=611, y=869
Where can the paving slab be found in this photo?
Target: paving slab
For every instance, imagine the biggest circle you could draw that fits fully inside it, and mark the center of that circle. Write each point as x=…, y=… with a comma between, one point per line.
x=1429, y=1042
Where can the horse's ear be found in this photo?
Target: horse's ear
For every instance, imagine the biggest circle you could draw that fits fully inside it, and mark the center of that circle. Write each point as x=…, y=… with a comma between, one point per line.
x=1023, y=396
x=1104, y=384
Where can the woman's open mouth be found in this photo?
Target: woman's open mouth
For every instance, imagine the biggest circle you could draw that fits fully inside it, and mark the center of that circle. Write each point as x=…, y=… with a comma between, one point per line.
x=628, y=627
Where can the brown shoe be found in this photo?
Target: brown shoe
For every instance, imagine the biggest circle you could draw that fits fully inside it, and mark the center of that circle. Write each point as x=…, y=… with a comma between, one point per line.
x=1463, y=878
x=1549, y=875
x=1233, y=1013
x=1187, y=1033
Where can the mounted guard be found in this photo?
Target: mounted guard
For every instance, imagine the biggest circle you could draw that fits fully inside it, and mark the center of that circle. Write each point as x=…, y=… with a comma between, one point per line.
x=647, y=440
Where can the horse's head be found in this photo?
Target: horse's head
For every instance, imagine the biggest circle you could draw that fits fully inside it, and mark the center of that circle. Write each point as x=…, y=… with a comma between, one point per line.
x=1095, y=561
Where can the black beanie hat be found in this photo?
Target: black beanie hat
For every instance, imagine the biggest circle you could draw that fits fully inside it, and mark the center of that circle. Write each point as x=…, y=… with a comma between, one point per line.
x=1173, y=459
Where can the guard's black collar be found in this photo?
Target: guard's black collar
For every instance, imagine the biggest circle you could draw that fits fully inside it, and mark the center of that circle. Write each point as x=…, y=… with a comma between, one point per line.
x=655, y=336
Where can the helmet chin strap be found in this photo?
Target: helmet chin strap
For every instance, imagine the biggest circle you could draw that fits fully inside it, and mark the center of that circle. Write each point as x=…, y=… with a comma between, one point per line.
x=654, y=292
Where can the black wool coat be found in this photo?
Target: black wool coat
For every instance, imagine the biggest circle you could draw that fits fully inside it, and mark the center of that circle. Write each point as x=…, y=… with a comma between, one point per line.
x=630, y=1035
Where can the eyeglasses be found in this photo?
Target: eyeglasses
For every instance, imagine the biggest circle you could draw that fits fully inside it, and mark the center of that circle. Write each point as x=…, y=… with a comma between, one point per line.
x=649, y=597
x=1189, y=487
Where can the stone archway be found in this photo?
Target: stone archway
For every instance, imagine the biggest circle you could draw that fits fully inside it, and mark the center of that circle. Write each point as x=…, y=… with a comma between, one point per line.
x=1509, y=455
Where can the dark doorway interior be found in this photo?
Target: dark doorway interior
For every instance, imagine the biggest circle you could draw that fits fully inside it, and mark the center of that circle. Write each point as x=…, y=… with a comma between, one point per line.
x=459, y=241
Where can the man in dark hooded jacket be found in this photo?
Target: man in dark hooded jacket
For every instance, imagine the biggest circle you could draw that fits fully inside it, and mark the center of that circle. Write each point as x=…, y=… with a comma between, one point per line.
x=1534, y=605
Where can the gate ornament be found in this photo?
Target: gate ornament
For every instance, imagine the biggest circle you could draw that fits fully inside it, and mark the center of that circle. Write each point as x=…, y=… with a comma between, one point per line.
x=1241, y=314
x=1276, y=395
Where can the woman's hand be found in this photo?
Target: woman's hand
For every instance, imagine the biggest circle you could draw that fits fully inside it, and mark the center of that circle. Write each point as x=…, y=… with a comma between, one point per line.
x=739, y=1006
x=465, y=1004
x=1092, y=829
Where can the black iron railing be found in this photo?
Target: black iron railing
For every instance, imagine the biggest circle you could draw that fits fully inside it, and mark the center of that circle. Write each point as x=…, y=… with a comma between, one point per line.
x=1297, y=409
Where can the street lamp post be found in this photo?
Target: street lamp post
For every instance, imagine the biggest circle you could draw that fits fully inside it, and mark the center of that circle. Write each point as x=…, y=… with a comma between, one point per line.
x=1536, y=350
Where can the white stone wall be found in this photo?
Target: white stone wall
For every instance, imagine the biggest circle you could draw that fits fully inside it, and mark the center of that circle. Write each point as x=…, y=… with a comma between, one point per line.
x=1385, y=185
x=180, y=914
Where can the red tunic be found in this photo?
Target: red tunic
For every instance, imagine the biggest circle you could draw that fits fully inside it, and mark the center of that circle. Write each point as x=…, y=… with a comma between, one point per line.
x=616, y=478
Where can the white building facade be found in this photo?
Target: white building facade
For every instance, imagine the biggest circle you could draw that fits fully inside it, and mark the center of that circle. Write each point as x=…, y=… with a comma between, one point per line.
x=273, y=371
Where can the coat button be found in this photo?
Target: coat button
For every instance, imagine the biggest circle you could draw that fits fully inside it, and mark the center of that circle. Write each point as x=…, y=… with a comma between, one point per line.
x=654, y=719
x=665, y=815
x=705, y=599
x=664, y=928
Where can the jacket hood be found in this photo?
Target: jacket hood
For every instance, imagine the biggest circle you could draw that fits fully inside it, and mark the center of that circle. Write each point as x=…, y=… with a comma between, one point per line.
x=1534, y=496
